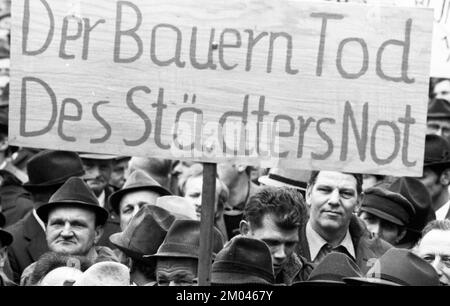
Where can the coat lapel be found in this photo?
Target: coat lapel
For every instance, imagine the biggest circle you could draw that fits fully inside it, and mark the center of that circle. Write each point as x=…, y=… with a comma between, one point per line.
x=36, y=236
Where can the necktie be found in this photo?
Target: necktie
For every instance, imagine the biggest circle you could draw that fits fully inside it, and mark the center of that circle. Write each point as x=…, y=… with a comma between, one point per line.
x=324, y=250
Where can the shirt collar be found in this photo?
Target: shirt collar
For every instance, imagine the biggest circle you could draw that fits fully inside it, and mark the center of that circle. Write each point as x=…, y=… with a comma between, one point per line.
x=101, y=199
x=441, y=213
x=41, y=223
x=316, y=242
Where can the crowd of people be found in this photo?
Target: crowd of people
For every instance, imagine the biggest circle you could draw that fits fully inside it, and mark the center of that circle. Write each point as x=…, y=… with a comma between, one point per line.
x=84, y=219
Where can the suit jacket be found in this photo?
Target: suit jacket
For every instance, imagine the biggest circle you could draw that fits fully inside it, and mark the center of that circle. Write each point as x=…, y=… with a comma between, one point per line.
x=16, y=203
x=28, y=245
x=112, y=224
x=367, y=247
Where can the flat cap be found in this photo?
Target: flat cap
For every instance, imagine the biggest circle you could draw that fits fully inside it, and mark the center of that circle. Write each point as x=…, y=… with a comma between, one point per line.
x=387, y=205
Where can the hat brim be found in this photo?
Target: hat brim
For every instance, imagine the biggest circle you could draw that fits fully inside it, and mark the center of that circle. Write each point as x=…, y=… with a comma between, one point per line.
x=171, y=254
x=319, y=283
x=382, y=215
x=97, y=156
x=54, y=183
x=116, y=240
x=116, y=197
x=101, y=213
x=266, y=180
x=443, y=164
x=227, y=278
x=368, y=281
x=5, y=237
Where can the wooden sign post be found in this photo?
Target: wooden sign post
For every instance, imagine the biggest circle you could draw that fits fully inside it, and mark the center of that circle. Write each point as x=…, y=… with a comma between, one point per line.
x=207, y=224
x=315, y=85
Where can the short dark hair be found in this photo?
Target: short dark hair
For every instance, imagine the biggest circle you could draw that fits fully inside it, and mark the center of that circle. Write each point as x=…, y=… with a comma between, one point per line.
x=287, y=204
x=357, y=176
x=440, y=225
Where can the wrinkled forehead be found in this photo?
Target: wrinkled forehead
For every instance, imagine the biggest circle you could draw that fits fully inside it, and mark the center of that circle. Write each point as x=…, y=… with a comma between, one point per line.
x=435, y=242
x=336, y=179
x=176, y=265
x=68, y=212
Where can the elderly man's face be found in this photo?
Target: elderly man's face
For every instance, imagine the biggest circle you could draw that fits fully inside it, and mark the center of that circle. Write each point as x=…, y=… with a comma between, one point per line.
x=281, y=242
x=332, y=200
x=439, y=127
x=173, y=271
x=118, y=173
x=132, y=202
x=72, y=230
x=435, y=248
x=97, y=174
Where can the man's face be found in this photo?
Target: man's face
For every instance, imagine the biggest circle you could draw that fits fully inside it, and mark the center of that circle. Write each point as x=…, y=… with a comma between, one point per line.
x=442, y=90
x=386, y=230
x=97, y=174
x=172, y=271
x=281, y=242
x=439, y=127
x=118, y=173
x=228, y=173
x=332, y=200
x=435, y=249
x=132, y=202
x=193, y=193
x=72, y=230
x=432, y=182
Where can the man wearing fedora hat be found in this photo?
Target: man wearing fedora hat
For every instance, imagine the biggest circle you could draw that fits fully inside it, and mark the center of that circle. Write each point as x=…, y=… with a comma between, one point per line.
x=74, y=223
x=275, y=215
x=333, y=198
x=177, y=257
x=139, y=189
x=386, y=213
x=5, y=240
x=398, y=267
x=438, y=118
x=98, y=169
x=243, y=261
x=47, y=170
x=143, y=236
x=436, y=174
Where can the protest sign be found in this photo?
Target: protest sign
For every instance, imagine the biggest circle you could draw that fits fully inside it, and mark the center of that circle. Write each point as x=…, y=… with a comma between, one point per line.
x=319, y=85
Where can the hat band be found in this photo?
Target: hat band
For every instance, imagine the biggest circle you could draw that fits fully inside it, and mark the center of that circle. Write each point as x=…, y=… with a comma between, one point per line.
x=242, y=268
x=390, y=278
x=287, y=181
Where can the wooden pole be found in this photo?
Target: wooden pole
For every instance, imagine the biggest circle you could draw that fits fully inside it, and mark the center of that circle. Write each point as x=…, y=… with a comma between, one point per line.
x=207, y=223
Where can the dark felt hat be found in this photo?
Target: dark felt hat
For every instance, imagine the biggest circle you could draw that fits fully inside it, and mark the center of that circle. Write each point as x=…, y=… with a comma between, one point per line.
x=138, y=180
x=183, y=240
x=388, y=205
x=437, y=151
x=5, y=237
x=243, y=261
x=74, y=192
x=331, y=270
x=417, y=194
x=439, y=109
x=52, y=168
x=145, y=232
x=399, y=267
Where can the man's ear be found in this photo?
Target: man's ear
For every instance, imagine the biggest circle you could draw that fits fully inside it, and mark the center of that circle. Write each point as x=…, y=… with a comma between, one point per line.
x=402, y=233
x=308, y=195
x=4, y=144
x=98, y=233
x=244, y=227
x=359, y=201
x=445, y=177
